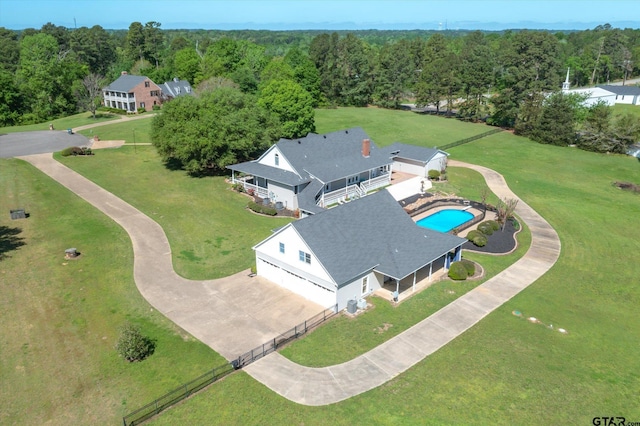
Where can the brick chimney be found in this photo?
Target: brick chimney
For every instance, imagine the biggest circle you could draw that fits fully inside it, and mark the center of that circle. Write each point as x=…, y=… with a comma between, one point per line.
x=366, y=148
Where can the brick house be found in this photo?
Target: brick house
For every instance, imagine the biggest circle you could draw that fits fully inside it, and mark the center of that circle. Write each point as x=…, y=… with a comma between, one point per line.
x=132, y=92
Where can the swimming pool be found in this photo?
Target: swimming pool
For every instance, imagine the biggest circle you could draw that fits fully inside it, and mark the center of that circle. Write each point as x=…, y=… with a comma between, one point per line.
x=445, y=220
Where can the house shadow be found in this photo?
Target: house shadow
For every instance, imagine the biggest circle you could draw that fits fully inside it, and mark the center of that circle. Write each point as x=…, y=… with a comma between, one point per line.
x=10, y=240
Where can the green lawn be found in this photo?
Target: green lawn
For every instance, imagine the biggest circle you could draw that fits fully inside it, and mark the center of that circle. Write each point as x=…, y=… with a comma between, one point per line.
x=210, y=231
x=388, y=126
x=61, y=318
x=140, y=128
x=504, y=370
x=63, y=123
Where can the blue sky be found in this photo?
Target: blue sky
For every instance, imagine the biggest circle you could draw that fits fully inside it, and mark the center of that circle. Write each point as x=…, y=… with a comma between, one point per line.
x=323, y=14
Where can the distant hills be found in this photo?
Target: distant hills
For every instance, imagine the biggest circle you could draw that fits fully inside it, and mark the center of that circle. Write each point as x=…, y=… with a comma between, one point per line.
x=436, y=25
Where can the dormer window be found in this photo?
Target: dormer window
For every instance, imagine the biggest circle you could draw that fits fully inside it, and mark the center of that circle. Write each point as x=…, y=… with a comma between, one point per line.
x=277, y=159
x=146, y=84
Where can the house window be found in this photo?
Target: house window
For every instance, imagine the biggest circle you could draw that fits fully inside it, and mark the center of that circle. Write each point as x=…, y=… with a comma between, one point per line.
x=155, y=93
x=365, y=285
x=141, y=104
x=146, y=84
x=304, y=257
x=352, y=179
x=281, y=247
x=277, y=159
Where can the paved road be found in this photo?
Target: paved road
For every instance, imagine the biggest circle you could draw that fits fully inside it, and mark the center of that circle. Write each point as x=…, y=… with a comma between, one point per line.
x=44, y=141
x=323, y=386
x=49, y=141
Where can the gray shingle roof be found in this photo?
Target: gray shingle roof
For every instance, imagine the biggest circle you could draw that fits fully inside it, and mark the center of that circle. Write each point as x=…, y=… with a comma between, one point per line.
x=272, y=173
x=334, y=155
x=622, y=90
x=126, y=82
x=307, y=197
x=175, y=88
x=372, y=232
x=412, y=152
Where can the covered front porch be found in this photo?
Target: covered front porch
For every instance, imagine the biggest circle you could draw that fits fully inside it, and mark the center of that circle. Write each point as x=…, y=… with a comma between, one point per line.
x=395, y=290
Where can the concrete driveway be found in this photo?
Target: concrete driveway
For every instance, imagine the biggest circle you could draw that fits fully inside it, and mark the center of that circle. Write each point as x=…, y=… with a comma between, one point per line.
x=232, y=315
x=39, y=142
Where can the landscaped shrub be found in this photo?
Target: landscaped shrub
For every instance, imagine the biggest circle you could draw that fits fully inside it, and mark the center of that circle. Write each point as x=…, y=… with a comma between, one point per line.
x=457, y=271
x=259, y=208
x=469, y=266
x=66, y=152
x=141, y=110
x=494, y=224
x=485, y=228
x=132, y=345
x=434, y=174
x=113, y=110
x=269, y=211
x=156, y=107
x=74, y=150
x=477, y=238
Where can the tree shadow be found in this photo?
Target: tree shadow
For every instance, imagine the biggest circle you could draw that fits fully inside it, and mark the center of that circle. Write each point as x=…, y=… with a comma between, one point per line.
x=9, y=240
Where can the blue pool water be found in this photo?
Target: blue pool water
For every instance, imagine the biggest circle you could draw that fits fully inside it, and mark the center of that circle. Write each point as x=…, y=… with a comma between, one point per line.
x=445, y=220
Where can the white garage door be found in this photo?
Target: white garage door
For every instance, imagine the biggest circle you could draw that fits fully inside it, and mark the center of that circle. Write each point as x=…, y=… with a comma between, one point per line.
x=297, y=284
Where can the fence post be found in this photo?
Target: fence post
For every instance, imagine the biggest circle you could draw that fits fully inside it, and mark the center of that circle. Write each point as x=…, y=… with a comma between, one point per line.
x=305, y=326
x=274, y=344
x=157, y=407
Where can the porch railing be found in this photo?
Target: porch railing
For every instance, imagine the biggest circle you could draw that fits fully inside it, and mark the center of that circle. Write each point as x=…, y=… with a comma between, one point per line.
x=258, y=190
x=375, y=183
x=343, y=194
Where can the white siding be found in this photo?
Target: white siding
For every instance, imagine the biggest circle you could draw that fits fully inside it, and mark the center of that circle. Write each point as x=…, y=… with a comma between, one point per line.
x=438, y=162
x=309, y=280
x=409, y=166
x=353, y=290
x=283, y=194
x=269, y=159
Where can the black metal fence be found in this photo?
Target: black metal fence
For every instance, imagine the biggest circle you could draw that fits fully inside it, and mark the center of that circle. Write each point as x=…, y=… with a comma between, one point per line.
x=176, y=395
x=467, y=140
x=184, y=391
x=273, y=345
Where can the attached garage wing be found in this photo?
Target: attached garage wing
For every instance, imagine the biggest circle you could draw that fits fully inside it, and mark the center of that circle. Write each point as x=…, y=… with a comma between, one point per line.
x=293, y=282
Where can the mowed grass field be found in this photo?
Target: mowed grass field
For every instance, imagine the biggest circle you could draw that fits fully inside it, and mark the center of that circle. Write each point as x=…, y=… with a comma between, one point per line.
x=65, y=123
x=60, y=318
x=505, y=370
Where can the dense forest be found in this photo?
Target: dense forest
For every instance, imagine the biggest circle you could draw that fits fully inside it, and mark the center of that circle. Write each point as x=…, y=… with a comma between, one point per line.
x=504, y=77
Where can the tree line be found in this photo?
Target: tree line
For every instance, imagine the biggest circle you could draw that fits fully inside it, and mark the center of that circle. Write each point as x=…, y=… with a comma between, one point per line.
x=502, y=77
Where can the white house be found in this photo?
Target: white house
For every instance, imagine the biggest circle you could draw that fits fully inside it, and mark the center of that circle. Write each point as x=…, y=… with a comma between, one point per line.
x=319, y=171
x=348, y=252
x=608, y=93
x=629, y=95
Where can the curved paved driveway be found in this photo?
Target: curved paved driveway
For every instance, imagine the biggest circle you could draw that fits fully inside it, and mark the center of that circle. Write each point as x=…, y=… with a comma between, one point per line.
x=204, y=308
x=231, y=315
x=322, y=386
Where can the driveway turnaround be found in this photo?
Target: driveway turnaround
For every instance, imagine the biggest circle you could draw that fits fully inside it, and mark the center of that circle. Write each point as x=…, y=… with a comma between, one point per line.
x=231, y=315
x=237, y=313
x=322, y=386
x=27, y=143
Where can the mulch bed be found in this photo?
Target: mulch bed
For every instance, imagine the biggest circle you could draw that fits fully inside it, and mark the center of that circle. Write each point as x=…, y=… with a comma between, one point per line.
x=500, y=242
